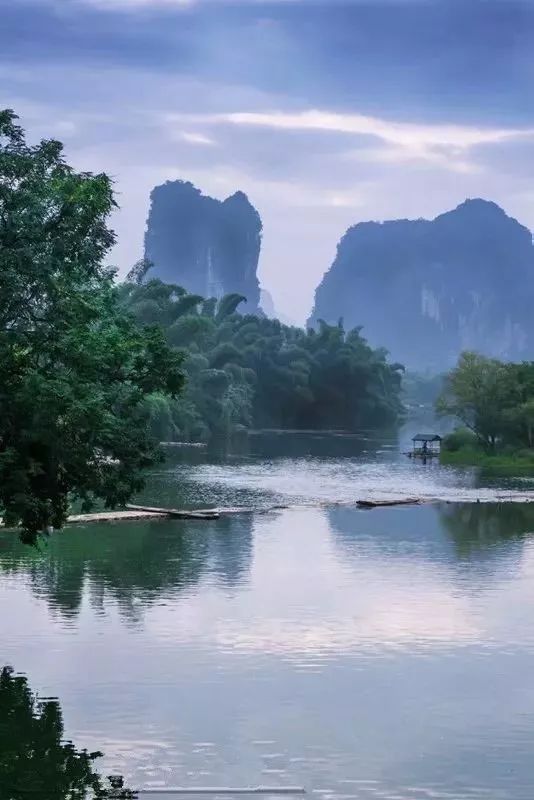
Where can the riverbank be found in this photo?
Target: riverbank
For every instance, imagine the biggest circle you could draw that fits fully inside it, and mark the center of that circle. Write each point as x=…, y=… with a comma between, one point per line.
x=511, y=463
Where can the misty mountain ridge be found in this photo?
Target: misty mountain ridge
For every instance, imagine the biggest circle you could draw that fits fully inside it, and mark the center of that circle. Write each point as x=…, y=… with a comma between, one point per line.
x=428, y=289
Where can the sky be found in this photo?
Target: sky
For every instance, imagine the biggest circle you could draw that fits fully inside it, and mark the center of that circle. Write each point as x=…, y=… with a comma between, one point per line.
x=325, y=112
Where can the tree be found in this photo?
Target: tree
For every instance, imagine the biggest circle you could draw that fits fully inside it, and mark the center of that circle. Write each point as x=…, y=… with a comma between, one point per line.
x=524, y=415
x=519, y=413
x=478, y=392
x=75, y=369
x=248, y=370
x=139, y=270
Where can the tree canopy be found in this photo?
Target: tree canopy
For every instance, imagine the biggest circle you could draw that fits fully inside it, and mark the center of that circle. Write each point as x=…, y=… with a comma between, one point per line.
x=248, y=370
x=493, y=399
x=75, y=369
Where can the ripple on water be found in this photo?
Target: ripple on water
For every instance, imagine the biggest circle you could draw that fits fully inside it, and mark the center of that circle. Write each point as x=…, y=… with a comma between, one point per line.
x=344, y=481
x=363, y=655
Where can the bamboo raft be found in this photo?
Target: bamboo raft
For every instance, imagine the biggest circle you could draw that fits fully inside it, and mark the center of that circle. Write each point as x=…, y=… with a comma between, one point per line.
x=405, y=501
x=176, y=513
x=134, y=513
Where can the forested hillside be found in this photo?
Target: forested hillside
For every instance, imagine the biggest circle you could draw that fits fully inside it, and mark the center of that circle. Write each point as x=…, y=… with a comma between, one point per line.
x=248, y=371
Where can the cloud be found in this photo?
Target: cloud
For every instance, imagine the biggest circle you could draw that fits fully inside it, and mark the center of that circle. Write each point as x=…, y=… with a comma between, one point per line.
x=132, y=5
x=196, y=138
x=415, y=137
x=439, y=157
x=311, y=174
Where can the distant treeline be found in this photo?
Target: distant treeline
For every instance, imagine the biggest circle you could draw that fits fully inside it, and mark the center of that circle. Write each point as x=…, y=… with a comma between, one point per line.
x=421, y=389
x=246, y=371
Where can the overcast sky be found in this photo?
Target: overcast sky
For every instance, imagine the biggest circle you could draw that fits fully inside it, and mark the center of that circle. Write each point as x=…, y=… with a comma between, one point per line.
x=325, y=113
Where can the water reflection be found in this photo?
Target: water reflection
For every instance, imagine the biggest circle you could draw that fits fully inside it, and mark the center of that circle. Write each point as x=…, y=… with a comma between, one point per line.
x=134, y=564
x=467, y=535
x=35, y=759
x=282, y=444
x=320, y=444
x=480, y=531
x=362, y=654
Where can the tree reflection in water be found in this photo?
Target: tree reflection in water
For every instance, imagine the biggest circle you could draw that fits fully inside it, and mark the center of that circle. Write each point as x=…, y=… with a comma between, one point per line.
x=481, y=530
x=133, y=564
x=35, y=760
x=475, y=538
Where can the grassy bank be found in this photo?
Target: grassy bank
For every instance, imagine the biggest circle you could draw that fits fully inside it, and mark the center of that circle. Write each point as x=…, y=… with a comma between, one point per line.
x=460, y=449
x=477, y=458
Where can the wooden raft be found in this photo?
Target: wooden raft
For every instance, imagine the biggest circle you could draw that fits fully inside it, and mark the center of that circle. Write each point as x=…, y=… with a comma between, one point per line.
x=176, y=513
x=406, y=501
x=139, y=513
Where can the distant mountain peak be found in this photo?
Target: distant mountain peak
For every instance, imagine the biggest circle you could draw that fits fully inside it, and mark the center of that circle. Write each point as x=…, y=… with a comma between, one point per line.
x=428, y=289
x=238, y=197
x=478, y=203
x=477, y=209
x=210, y=247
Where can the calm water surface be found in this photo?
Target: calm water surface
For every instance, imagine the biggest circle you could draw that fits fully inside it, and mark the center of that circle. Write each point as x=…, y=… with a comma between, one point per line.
x=383, y=654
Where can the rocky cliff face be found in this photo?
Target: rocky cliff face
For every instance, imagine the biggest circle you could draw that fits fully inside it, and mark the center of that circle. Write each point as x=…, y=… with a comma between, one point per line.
x=267, y=304
x=426, y=290
x=207, y=246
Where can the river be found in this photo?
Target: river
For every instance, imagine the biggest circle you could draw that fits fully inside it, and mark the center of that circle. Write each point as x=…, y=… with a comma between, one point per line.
x=361, y=654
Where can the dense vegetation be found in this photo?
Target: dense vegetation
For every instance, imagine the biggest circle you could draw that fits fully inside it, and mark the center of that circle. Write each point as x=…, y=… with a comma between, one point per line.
x=494, y=401
x=247, y=370
x=75, y=369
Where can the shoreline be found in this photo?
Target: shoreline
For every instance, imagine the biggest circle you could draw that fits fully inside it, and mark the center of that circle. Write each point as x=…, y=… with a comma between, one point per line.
x=497, y=462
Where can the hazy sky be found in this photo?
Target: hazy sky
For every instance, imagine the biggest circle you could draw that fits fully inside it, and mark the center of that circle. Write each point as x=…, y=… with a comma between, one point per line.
x=325, y=112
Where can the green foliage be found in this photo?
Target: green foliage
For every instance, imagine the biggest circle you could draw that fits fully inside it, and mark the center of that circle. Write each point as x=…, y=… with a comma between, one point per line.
x=247, y=370
x=513, y=463
x=460, y=439
x=477, y=392
x=35, y=761
x=75, y=369
x=228, y=305
x=139, y=270
x=495, y=402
